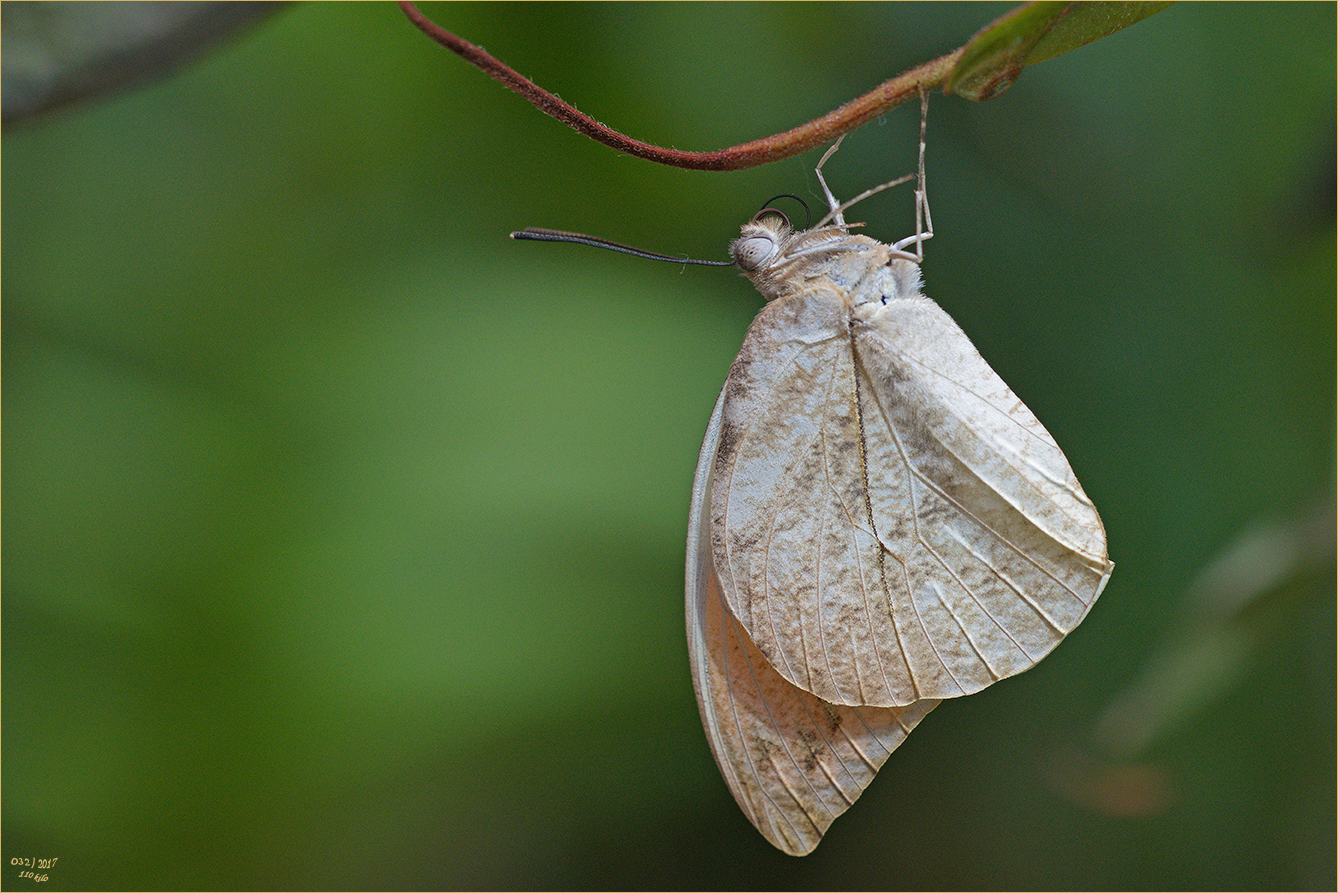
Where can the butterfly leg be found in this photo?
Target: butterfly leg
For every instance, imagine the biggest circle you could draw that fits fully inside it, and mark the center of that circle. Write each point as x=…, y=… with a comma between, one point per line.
x=835, y=213
x=924, y=223
x=924, y=227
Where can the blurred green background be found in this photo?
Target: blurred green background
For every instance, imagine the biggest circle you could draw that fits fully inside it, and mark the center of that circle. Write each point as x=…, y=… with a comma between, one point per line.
x=343, y=536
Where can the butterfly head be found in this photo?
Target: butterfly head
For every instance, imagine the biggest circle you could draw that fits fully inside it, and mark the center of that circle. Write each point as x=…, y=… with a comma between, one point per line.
x=778, y=259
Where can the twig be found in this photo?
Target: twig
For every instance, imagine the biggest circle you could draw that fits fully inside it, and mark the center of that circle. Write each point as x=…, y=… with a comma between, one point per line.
x=858, y=111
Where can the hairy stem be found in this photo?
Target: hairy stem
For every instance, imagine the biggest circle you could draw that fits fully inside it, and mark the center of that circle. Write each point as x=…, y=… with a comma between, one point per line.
x=858, y=111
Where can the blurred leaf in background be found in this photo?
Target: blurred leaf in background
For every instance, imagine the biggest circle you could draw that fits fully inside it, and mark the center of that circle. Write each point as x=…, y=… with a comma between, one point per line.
x=58, y=53
x=343, y=535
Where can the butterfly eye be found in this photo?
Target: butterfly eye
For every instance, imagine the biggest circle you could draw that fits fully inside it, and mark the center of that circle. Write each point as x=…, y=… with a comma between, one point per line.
x=752, y=252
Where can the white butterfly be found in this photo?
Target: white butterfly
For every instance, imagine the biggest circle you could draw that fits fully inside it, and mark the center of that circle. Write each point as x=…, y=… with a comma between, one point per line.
x=877, y=523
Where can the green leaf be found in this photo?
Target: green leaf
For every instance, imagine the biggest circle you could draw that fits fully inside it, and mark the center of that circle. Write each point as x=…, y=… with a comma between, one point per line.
x=1083, y=23
x=57, y=53
x=1032, y=33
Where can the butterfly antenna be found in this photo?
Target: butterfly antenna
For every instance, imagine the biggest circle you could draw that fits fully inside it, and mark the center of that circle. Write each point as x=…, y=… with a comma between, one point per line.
x=536, y=234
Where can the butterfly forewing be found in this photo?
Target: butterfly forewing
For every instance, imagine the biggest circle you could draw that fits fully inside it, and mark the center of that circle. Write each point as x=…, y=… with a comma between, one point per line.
x=999, y=553
x=920, y=360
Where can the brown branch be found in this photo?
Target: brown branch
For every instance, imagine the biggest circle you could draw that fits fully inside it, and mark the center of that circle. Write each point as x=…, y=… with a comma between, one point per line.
x=858, y=111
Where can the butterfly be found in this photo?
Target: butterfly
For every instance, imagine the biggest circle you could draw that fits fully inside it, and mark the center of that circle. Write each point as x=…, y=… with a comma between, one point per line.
x=877, y=524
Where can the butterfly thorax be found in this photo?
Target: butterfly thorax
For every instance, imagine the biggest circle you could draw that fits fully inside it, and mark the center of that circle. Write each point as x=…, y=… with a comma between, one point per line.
x=783, y=263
